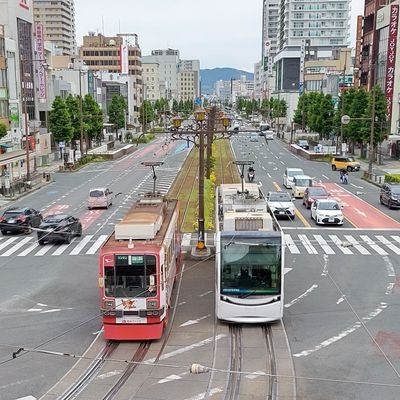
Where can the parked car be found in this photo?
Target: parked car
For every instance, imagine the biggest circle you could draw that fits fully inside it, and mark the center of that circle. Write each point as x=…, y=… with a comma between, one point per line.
x=19, y=219
x=327, y=211
x=313, y=193
x=304, y=144
x=289, y=174
x=59, y=228
x=345, y=162
x=100, y=198
x=390, y=195
x=281, y=204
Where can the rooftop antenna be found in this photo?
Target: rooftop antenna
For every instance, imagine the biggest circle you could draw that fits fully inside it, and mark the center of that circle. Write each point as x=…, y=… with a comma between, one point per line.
x=153, y=165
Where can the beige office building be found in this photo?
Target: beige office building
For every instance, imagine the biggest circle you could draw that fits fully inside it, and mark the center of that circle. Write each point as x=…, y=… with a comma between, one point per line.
x=58, y=19
x=186, y=85
x=151, y=81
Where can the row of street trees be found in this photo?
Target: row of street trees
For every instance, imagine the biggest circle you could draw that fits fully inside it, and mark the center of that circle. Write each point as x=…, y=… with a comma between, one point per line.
x=317, y=112
x=269, y=108
x=65, y=119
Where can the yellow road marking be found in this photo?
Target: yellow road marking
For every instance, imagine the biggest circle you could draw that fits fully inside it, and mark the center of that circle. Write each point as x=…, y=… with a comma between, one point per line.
x=297, y=212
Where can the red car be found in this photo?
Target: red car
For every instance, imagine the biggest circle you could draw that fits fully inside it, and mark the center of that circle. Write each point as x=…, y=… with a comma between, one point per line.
x=313, y=193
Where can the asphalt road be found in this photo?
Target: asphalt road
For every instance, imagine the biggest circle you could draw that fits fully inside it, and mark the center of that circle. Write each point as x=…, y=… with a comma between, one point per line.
x=341, y=301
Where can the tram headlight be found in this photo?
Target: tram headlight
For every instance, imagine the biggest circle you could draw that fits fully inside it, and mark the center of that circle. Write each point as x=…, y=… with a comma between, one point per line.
x=152, y=304
x=108, y=304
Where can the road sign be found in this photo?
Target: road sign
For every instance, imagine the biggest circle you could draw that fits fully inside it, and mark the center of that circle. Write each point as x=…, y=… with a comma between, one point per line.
x=345, y=119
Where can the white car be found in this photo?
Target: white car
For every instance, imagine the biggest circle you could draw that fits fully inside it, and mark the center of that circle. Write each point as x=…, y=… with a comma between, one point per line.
x=289, y=175
x=281, y=204
x=269, y=135
x=327, y=211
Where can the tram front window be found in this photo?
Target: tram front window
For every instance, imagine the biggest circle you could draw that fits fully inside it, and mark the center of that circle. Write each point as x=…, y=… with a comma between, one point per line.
x=251, y=270
x=132, y=276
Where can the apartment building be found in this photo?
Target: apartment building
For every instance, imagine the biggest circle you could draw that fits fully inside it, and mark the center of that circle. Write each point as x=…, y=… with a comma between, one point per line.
x=186, y=85
x=151, y=81
x=193, y=66
x=58, y=20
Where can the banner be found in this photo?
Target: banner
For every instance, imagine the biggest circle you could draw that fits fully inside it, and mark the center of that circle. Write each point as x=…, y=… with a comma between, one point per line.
x=124, y=59
x=40, y=70
x=391, y=58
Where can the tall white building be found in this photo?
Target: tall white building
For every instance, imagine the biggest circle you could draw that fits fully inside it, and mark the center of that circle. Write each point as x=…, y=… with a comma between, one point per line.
x=58, y=20
x=194, y=67
x=151, y=81
x=308, y=30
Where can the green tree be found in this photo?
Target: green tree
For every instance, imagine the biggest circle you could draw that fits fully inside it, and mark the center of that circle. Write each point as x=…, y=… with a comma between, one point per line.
x=3, y=130
x=116, y=111
x=60, y=121
x=73, y=106
x=175, y=106
x=92, y=118
x=146, y=113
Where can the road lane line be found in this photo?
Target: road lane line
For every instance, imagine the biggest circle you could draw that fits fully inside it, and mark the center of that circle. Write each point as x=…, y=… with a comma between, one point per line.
x=301, y=218
x=290, y=245
x=81, y=245
x=374, y=246
x=322, y=242
x=387, y=243
x=357, y=246
x=339, y=244
x=16, y=247
x=96, y=245
x=7, y=242
x=307, y=244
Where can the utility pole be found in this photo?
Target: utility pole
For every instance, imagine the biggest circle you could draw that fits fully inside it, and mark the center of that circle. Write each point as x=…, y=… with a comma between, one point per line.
x=81, y=113
x=342, y=109
x=210, y=134
x=371, y=139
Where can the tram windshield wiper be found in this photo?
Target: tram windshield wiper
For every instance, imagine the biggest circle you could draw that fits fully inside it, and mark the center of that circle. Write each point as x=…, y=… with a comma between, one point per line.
x=245, y=295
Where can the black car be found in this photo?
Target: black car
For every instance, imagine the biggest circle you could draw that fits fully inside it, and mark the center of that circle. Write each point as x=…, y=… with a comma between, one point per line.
x=304, y=144
x=59, y=228
x=390, y=195
x=19, y=219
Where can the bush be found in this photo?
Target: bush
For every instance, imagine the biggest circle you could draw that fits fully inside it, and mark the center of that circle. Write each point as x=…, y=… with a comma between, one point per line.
x=392, y=178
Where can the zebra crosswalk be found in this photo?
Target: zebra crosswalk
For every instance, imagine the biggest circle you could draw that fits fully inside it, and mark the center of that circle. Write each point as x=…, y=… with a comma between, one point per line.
x=364, y=245
x=21, y=246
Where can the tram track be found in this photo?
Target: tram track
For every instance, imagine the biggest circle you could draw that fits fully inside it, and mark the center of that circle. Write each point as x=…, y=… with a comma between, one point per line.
x=232, y=388
x=271, y=364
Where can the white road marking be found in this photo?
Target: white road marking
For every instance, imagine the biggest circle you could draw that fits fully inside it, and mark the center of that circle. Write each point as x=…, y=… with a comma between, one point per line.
x=302, y=296
x=307, y=244
x=374, y=246
x=322, y=242
x=342, y=334
x=389, y=289
x=287, y=270
x=61, y=249
x=387, y=243
x=186, y=348
x=396, y=238
x=206, y=293
x=43, y=250
x=389, y=266
x=357, y=246
x=341, y=300
x=172, y=378
x=290, y=244
x=7, y=242
x=81, y=245
x=27, y=398
x=338, y=243
x=359, y=212
x=194, y=321
x=255, y=375
x=96, y=245
x=108, y=375
x=202, y=396
x=16, y=247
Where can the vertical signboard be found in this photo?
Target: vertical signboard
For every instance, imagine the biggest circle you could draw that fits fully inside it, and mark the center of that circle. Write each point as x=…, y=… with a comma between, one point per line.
x=267, y=57
x=90, y=77
x=302, y=60
x=40, y=70
x=357, y=62
x=391, y=57
x=124, y=59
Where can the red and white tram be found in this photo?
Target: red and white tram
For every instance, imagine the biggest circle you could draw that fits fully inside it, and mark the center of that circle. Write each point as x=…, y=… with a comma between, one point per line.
x=138, y=266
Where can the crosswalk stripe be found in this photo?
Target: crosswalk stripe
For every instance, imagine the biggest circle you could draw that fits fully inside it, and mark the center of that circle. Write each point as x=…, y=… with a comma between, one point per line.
x=81, y=245
x=96, y=245
x=387, y=243
x=340, y=246
x=322, y=242
x=43, y=250
x=16, y=247
x=374, y=246
x=61, y=249
x=28, y=250
x=396, y=238
x=290, y=244
x=307, y=244
x=7, y=242
x=357, y=246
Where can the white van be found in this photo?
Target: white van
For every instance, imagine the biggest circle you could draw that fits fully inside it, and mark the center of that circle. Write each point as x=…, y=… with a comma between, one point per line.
x=99, y=198
x=289, y=174
x=300, y=184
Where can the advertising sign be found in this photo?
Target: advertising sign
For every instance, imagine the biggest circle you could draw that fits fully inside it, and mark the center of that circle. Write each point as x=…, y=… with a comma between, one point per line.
x=40, y=71
x=90, y=77
x=124, y=59
x=24, y=4
x=302, y=61
x=267, y=57
x=391, y=57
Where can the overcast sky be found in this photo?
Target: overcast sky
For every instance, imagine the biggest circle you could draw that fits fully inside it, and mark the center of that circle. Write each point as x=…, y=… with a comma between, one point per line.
x=220, y=33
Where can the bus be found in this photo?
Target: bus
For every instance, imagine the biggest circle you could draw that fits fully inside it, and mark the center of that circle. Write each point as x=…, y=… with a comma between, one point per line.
x=249, y=260
x=264, y=127
x=138, y=266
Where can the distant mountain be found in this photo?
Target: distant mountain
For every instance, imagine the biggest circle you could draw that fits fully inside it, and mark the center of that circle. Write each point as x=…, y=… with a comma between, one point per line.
x=210, y=76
